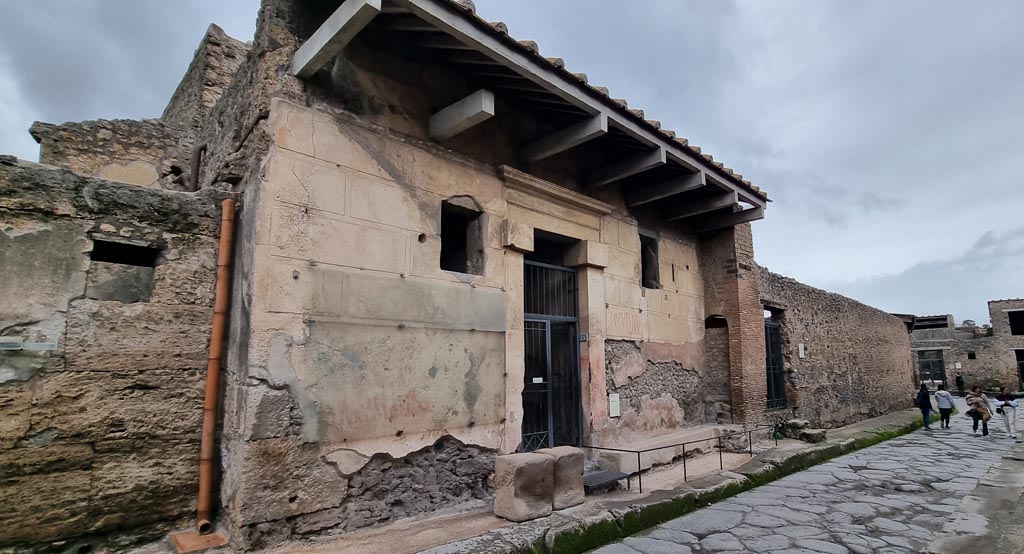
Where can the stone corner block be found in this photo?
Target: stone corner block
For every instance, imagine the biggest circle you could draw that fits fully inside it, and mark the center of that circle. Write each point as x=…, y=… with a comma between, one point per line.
x=517, y=236
x=568, y=475
x=588, y=253
x=524, y=486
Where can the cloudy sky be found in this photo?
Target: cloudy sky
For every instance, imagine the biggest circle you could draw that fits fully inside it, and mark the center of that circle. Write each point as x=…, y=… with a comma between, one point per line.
x=890, y=134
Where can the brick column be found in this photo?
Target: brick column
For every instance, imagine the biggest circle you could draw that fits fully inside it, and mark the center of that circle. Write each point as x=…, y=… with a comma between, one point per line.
x=731, y=290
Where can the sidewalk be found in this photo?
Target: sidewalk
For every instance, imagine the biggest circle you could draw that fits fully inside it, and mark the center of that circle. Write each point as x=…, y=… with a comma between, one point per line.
x=609, y=517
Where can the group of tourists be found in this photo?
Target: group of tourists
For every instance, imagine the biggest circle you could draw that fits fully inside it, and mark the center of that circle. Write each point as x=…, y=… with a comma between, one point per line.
x=980, y=407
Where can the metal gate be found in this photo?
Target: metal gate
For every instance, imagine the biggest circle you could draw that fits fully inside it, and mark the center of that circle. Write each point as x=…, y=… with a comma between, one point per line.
x=552, y=411
x=775, y=365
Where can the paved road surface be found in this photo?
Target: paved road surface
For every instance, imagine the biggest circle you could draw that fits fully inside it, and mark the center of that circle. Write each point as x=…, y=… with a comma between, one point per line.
x=891, y=498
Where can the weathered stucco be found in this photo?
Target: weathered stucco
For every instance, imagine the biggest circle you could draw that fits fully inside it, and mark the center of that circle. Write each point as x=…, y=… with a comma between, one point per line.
x=99, y=437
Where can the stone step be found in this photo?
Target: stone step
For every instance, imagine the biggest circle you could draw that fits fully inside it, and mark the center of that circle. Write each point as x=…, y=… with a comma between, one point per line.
x=704, y=437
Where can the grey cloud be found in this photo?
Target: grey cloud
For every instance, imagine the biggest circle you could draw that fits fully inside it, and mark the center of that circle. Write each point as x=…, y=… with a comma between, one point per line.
x=990, y=269
x=881, y=129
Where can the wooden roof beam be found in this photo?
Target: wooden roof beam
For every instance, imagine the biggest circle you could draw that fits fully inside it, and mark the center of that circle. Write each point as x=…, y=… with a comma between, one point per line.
x=462, y=115
x=566, y=139
x=626, y=168
x=444, y=15
x=333, y=36
x=703, y=206
x=666, y=189
x=730, y=220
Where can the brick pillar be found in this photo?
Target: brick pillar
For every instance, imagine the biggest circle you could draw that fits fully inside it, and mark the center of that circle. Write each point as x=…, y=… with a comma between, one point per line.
x=731, y=290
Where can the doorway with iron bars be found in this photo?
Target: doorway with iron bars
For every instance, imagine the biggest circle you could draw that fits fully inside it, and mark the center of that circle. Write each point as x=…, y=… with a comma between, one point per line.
x=552, y=405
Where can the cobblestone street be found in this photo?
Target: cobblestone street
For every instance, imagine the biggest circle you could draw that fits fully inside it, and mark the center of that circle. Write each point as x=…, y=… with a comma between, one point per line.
x=892, y=498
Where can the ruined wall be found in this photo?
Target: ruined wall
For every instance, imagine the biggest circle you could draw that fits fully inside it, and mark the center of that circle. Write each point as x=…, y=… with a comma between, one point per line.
x=994, y=363
x=143, y=152
x=213, y=68
x=856, y=363
x=101, y=434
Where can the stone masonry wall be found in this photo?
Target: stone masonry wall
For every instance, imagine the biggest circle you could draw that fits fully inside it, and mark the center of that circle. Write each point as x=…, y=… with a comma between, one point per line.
x=994, y=363
x=212, y=70
x=99, y=438
x=146, y=152
x=857, y=361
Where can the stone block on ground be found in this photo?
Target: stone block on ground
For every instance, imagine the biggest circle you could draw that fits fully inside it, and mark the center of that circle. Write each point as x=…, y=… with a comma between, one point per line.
x=568, y=474
x=524, y=486
x=812, y=435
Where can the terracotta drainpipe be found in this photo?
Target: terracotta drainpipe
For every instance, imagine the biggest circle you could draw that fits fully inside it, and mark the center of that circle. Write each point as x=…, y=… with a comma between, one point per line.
x=220, y=311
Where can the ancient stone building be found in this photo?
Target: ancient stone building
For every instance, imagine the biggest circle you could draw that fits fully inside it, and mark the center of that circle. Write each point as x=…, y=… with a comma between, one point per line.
x=449, y=247
x=991, y=355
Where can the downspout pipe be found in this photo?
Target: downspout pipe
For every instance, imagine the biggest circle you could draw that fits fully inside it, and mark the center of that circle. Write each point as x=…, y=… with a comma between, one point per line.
x=221, y=300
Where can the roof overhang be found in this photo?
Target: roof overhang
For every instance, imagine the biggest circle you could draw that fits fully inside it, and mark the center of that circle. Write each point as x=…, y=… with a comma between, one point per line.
x=656, y=168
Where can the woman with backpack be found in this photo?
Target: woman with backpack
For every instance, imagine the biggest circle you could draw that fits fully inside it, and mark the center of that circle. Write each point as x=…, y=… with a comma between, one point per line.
x=981, y=409
x=924, y=403
x=944, y=401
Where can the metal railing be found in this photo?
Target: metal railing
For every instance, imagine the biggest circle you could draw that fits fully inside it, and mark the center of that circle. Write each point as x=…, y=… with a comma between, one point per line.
x=721, y=460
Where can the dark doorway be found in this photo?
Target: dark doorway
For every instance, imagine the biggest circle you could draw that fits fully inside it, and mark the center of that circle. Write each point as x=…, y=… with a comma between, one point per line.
x=931, y=366
x=552, y=409
x=775, y=364
x=1020, y=367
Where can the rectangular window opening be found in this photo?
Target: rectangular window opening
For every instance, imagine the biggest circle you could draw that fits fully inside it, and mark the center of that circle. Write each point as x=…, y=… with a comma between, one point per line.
x=971, y=355
x=649, y=277
x=124, y=253
x=462, y=241
x=1016, y=322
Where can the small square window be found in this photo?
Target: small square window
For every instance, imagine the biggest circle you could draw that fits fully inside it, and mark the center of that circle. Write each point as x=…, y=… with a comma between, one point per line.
x=1016, y=322
x=649, y=277
x=462, y=241
x=971, y=355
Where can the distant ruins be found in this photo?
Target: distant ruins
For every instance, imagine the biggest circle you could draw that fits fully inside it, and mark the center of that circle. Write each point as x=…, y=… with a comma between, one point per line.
x=448, y=248
x=991, y=356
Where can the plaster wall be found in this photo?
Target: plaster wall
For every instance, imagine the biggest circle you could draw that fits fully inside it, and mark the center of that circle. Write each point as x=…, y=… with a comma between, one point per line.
x=99, y=437
x=376, y=351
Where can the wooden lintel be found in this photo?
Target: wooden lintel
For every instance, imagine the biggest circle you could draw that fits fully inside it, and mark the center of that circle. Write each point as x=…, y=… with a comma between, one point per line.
x=626, y=168
x=700, y=207
x=730, y=220
x=567, y=138
x=666, y=189
x=333, y=36
x=462, y=115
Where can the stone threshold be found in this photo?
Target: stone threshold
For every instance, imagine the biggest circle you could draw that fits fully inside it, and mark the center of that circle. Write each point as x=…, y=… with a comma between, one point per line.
x=582, y=528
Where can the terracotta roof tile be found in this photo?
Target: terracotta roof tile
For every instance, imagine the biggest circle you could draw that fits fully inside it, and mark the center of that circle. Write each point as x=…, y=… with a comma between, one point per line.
x=602, y=90
x=557, y=62
x=500, y=27
x=638, y=113
x=621, y=102
x=669, y=134
x=530, y=45
x=654, y=123
x=581, y=76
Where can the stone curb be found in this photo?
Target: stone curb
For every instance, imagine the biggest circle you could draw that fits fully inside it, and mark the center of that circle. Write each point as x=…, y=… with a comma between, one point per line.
x=577, y=530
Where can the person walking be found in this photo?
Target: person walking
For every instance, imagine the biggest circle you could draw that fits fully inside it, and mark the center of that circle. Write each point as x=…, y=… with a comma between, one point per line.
x=924, y=403
x=1006, y=406
x=960, y=384
x=980, y=409
x=944, y=401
